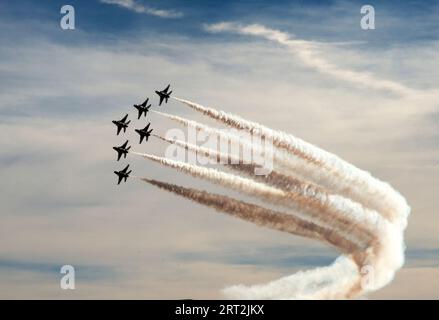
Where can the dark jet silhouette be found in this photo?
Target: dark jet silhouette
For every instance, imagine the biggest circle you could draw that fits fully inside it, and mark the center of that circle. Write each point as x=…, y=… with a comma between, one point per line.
x=122, y=150
x=144, y=133
x=142, y=108
x=123, y=174
x=164, y=95
x=122, y=124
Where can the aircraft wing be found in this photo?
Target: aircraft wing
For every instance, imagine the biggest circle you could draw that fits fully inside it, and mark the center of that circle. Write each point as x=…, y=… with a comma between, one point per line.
x=120, y=179
x=118, y=129
x=125, y=169
x=125, y=144
x=161, y=100
x=119, y=154
x=124, y=118
x=166, y=89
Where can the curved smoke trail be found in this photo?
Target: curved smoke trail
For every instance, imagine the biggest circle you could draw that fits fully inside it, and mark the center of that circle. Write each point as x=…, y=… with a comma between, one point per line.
x=259, y=215
x=286, y=183
x=337, y=203
x=309, y=207
x=367, y=189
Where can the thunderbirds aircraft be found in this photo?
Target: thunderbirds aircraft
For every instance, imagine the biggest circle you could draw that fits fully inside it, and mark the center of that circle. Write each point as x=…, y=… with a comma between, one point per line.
x=123, y=174
x=144, y=133
x=164, y=95
x=122, y=150
x=122, y=124
x=142, y=108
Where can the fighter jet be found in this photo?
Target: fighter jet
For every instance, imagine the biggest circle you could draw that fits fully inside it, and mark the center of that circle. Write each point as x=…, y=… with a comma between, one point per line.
x=123, y=174
x=142, y=108
x=122, y=124
x=122, y=150
x=144, y=133
x=164, y=95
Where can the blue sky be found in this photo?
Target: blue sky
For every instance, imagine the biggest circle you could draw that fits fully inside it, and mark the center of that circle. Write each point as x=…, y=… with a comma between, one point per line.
x=403, y=21
x=61, y=89
x=111, y=26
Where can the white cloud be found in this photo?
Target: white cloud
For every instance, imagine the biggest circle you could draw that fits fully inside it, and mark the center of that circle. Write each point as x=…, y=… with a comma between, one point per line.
x=308, y=53
x=140, y=8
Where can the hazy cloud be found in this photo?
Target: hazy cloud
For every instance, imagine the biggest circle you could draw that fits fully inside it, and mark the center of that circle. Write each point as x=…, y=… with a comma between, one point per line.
x=140, y=8
x=308, y=52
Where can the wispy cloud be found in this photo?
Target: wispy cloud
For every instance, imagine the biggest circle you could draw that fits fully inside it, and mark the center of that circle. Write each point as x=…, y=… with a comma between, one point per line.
x=140, y=8
x=307, y=51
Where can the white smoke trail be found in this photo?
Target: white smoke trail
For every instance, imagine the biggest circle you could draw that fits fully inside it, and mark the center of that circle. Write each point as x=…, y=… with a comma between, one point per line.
x=383, y=252
x=221, y=178
x=288, y=183
x=283, y=161
x=259, y=215
x=336, y=281
x=309, y=207
x=349, y=180
x=384, y=255
x=271, y=195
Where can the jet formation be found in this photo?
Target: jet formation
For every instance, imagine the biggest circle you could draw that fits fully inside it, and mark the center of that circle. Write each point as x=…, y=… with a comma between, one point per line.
x=144, y=133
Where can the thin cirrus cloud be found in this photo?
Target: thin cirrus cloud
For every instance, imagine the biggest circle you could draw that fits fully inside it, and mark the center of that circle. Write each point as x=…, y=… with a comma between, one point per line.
x=306, y=51
x=140, y=8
